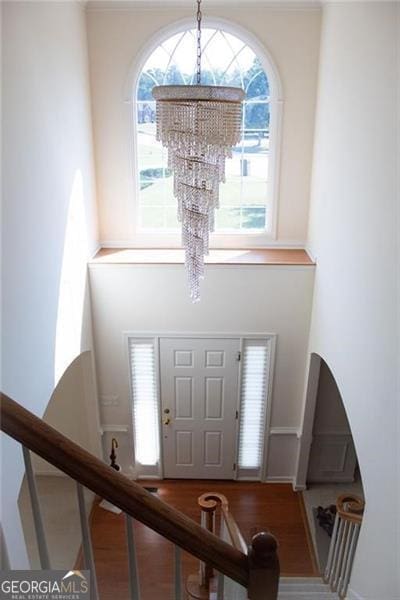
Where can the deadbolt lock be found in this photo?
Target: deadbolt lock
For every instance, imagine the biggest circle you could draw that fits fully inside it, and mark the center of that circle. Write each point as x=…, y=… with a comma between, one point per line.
x=167, y=411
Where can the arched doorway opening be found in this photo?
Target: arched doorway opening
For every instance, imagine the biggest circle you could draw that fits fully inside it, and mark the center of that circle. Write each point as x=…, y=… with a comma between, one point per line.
x=328, y=464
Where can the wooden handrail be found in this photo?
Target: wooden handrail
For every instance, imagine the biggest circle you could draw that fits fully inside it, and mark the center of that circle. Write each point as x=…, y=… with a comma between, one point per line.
x=75, y=461
x=350, y=507
x=209, y=502
x=262, y=556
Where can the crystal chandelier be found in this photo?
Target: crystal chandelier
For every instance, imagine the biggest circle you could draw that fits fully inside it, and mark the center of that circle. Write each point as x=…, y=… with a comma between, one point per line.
x=199, y=125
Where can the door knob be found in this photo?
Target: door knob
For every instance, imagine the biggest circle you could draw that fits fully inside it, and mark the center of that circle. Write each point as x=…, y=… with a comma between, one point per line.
x=166, y=421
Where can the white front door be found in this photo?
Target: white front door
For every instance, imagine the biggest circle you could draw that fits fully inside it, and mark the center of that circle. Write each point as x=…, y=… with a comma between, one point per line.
x=199, y=396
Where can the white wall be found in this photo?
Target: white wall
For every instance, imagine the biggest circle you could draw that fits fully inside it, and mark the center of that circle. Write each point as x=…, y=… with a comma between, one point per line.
x=261, y=299
x=117, y=38
x=329, y=411
x=47, y=169
x=353, y=236
x=71, y=411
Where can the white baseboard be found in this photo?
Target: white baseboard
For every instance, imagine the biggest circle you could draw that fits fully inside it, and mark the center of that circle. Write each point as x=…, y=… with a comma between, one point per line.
x=298, y=488
x=279, y=479
x=286, y=479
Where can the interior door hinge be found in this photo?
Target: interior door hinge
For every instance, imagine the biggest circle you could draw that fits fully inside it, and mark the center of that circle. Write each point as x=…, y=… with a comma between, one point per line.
x=234, y=466
x=237, y=414
x=239, y=356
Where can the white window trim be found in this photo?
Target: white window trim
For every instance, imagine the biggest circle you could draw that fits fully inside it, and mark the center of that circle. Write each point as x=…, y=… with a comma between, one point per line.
x=140, y=239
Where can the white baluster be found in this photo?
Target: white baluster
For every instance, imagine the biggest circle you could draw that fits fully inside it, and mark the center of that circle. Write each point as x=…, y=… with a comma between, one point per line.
x=37, y=515
x=345, y=556
x=178, y=574
x=134, y=588
x=342, y=555
x=87, y=543
x=352, y=549
x=336, y=551
x=328, y=568
x=339, y=555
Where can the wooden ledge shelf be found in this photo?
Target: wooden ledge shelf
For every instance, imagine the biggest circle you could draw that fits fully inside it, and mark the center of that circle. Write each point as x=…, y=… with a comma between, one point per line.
x=169, y=256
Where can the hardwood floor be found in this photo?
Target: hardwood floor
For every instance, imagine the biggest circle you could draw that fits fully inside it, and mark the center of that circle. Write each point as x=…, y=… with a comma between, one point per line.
x=255, y=506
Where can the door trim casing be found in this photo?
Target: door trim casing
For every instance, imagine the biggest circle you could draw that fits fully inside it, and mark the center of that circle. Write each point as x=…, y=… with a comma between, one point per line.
x=242, y=336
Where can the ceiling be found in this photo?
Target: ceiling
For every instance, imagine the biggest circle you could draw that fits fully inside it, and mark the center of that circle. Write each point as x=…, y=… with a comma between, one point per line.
x=160, y=4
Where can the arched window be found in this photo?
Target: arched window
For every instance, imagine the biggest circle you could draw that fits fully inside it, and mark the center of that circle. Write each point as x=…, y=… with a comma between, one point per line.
x=246, y=198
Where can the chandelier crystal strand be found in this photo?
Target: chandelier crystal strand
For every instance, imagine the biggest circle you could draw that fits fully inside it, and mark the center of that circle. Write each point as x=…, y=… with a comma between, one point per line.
x=199, y=17
x=199, y=125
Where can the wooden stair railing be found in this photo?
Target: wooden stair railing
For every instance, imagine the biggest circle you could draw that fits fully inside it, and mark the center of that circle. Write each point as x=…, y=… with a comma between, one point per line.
x=346, y=529
x=262, y=555
x=87, y=470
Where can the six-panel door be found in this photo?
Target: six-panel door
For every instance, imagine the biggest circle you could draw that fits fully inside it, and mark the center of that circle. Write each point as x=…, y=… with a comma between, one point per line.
x=199, y=394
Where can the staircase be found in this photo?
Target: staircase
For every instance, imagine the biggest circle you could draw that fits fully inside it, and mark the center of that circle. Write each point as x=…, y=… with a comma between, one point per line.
x=307, y=588
x=229, y=568
x=254, y=573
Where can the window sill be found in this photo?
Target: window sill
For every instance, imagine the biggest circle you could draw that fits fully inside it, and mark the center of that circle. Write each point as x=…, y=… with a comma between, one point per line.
x=168, y=256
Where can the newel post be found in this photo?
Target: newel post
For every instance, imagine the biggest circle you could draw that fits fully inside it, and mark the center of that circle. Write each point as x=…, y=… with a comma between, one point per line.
x=263, y=567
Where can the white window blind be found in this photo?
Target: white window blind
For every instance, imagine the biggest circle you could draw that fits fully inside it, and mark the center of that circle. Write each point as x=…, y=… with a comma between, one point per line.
x=253, y=403
x=145, y=401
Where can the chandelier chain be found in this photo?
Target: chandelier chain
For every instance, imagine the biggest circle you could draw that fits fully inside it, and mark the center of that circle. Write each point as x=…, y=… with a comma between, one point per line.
x=199, y=17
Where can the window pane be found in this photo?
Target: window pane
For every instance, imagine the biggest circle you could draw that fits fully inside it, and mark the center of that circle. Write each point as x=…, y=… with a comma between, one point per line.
x=232, y=77
x=227, y=219
x=230, y=193
x=253, y=404
x=185, y=57
x=157, y=193
x=158, y=60
x=256, y=115
x=173, y=76
x=233, y=42
x=152, y=176
x=253, y=218
x=227, y=60
x=145, y=402
x=152, y=217
x=171, y=217
x=256, y=82
x=146, y=83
